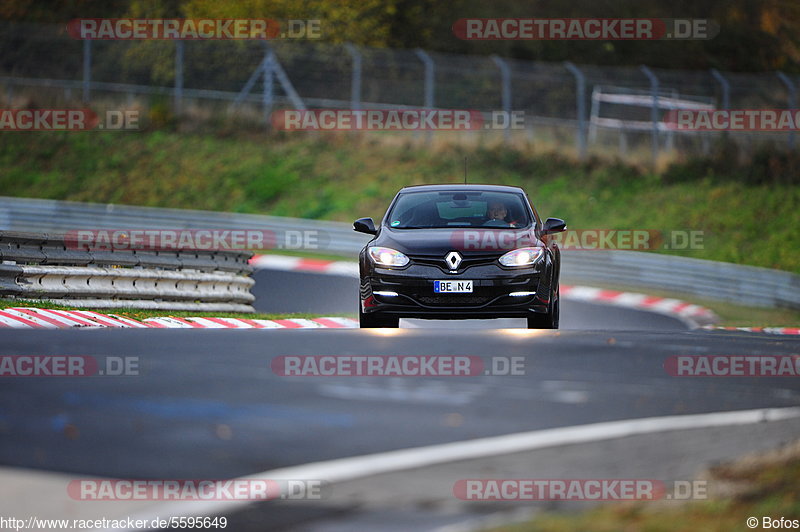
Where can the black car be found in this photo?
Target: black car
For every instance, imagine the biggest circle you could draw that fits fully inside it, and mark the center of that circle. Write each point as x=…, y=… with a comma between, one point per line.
x=459, y=252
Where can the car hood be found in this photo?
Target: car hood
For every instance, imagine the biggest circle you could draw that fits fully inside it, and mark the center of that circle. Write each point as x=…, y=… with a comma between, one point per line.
x=468, y=241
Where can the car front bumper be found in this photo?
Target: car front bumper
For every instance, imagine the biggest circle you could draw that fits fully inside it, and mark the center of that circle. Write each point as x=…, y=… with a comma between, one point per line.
x=409, y=292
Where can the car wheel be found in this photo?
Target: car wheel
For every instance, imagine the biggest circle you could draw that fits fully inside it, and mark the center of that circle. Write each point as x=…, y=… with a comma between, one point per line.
x=377, y=320
x=548, y=320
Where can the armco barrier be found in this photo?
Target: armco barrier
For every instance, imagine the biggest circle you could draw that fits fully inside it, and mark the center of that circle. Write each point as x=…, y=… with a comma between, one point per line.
x=48, y=216
x=722, y=281
x=746, y=285
x=39, y=266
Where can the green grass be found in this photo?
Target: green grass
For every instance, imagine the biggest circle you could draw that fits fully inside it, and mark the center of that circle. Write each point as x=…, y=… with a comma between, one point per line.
x=764, y=486
x=349, y=176
x=309, y=254
x=739, y=316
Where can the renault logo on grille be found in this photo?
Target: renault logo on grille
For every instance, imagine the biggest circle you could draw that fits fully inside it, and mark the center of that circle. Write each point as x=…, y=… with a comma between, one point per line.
x=453, y=259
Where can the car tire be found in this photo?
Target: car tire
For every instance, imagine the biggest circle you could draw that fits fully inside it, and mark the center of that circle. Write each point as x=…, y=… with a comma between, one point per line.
x=376, y=320
x=549, y=319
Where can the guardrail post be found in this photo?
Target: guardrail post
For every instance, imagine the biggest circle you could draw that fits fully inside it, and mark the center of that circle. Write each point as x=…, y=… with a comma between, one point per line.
x=792, y=101
x=653, y=112
x=355, y=77
x=580, y=89
x=725, y=85
x=87, y=69
x=429, y=82
x=505, y=73
x=670, y=133
x=178, y=76
x=623, y=143
x=595, y=113
x=726, y=88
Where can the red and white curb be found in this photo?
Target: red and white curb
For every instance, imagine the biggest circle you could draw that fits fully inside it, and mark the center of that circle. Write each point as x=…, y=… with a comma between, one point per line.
x=693, y=315
x=40, y=318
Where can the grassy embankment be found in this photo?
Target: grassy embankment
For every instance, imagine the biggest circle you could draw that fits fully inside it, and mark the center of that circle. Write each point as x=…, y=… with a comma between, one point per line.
x=758, y=485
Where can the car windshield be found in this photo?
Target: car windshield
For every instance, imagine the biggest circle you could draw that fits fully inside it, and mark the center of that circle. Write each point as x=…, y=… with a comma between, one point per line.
x=428, y=210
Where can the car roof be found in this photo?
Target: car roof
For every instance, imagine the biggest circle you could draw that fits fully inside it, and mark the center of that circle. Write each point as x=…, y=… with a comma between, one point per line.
x=448, y=187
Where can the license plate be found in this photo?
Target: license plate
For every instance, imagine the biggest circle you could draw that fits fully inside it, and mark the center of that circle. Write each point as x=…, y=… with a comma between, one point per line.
x=452, y=287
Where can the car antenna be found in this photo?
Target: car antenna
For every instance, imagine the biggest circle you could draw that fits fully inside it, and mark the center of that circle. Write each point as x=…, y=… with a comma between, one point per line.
x=465, y=170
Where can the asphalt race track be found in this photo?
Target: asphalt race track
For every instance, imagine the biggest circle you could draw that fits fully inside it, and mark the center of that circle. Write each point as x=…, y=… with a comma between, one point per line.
x=282, y=291
x=206, y=403
x=163, y=421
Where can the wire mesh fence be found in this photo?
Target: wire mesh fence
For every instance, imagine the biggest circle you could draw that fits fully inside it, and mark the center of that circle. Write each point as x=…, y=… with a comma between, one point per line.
x=564, y=104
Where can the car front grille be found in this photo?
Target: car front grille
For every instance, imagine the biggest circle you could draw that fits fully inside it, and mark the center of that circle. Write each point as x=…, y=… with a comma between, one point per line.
x=453, y=301
x=466, y=262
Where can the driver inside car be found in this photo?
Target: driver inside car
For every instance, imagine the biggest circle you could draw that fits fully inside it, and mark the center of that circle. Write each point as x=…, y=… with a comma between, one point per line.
x=496, y=214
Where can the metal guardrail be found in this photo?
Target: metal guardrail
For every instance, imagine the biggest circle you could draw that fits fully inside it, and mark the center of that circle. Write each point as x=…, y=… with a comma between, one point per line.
x=747, y=285
x=61, y=217
x=39, y=266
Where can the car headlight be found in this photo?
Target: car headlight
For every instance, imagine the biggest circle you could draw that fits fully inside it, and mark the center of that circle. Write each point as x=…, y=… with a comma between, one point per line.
x=387, y=256
x=522, y=257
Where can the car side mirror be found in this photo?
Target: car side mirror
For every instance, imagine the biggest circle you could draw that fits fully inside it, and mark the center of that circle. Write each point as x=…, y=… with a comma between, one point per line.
x=554, y=225
x=365, y=225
